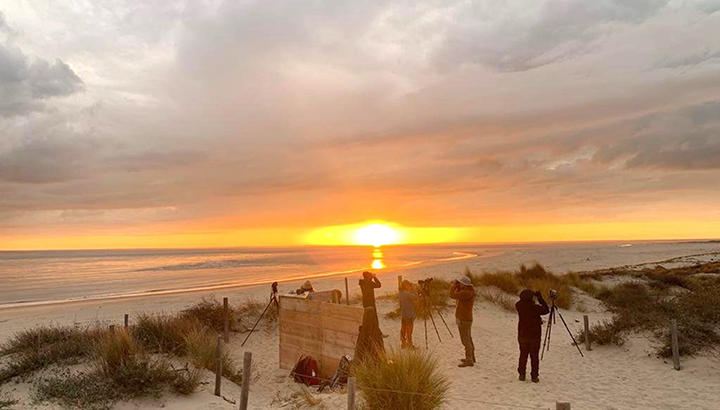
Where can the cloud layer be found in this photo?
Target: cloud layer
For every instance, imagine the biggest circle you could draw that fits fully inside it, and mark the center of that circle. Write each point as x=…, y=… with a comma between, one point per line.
x=220, y=115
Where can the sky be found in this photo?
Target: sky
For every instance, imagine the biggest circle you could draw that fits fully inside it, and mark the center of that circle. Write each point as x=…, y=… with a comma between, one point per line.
x=227, y=123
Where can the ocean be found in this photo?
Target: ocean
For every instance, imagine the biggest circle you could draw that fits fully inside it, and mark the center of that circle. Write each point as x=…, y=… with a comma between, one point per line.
x=40, y=277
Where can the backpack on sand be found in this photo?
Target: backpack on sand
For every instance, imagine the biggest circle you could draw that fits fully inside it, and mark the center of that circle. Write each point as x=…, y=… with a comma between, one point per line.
x=306, y=371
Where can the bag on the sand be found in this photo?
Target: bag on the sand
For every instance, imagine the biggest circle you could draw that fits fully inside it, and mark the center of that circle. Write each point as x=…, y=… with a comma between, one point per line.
x=306, y=371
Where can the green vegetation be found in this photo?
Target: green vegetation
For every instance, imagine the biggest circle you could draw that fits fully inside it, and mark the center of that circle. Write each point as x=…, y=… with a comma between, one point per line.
x=688, y=295
x=534, y=277
x=120, y=364
x=384, y=382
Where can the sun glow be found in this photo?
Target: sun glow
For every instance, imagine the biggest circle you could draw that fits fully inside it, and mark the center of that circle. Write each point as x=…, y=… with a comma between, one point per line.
x=376, y=234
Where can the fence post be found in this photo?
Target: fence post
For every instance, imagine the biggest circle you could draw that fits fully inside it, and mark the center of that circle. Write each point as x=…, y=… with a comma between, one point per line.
x=245, y=392
x=587, y=332
x=226, y=319
x=399, y=283
x=675, y=344
x=562, y=406
x=218, y=365
x=127, y=320
x=351, y=393
x=347, y=293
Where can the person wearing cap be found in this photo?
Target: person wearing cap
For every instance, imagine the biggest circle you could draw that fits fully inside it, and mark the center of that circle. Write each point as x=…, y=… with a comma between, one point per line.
x=306, y=289
x=408, y=298
x=463, y=291
x=530, y=331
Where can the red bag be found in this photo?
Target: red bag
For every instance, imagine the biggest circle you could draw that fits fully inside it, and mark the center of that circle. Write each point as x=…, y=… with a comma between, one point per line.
x=306, y=371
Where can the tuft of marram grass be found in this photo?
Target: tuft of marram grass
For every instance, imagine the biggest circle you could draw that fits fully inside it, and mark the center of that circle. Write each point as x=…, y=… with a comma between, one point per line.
x=409, y=379
x=201, y=346
x=35, y=349
x=498, y=297
x=164, y=333
x=7, y=401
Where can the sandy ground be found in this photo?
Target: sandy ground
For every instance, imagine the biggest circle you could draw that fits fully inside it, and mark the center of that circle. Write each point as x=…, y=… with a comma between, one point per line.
x=627, y=377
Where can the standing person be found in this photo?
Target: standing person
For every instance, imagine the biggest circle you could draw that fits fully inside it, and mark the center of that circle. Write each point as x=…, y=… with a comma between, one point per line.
x=408, y=298
x=530, y=331
x=463, y=291
x=368, y=284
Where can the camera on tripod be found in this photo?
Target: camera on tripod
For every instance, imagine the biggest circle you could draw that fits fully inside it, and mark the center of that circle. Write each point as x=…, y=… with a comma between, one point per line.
x=553, y=294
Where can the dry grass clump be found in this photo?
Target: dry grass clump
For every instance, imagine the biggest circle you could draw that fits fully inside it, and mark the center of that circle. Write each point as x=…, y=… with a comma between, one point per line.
x=534, y=277
x=201, y=346
x=7, y=401
x=35, y=349
x=643, y=307
x=122, y=370
x=408, y=379
x=498, y=297
x=164, y=333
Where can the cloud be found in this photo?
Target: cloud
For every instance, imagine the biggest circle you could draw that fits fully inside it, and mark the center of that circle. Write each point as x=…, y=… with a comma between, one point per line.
x=25, y=84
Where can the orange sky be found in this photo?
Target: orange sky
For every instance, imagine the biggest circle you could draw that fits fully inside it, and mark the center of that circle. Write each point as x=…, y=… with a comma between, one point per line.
x=185, y=124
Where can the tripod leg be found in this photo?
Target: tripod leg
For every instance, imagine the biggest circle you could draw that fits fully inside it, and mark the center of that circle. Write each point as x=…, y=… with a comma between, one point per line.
x=256, y=323
x=548, y=328
x=445, y=323
x=571, y=335
x=426, y=339
x=436, y=330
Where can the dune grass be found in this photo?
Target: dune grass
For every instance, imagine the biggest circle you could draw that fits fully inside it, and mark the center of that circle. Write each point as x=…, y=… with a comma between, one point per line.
x=535, y=277
x=7, y=401
x=31, y=350
x=383, y=382
x=661, y=296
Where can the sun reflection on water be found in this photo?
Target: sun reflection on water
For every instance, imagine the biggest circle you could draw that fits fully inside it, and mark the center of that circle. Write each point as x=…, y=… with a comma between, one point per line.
x=377, y=262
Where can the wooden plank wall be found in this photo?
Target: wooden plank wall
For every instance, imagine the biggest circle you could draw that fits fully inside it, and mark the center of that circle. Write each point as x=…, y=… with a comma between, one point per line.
x=325, y=331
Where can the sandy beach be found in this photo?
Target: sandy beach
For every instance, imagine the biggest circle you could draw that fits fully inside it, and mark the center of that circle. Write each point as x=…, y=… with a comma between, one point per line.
x=630, y=377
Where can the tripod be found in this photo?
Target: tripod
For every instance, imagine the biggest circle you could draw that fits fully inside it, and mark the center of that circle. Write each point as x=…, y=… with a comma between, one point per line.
x=551, y=320
x=426, y=307
x=273, y=300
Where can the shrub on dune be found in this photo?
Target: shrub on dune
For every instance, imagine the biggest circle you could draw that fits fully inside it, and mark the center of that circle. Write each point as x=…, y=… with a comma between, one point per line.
x=201, y=346
x=408, y=379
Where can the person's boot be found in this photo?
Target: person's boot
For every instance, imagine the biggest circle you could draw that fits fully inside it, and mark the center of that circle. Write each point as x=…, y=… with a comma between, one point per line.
x=466, y=363
x=536, y=379
x=521, y=377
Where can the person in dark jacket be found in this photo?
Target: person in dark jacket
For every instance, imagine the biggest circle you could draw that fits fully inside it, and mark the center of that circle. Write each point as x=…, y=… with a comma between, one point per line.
x=530, y=331
x=463, y=291
x=368, y=284
x=408, y=299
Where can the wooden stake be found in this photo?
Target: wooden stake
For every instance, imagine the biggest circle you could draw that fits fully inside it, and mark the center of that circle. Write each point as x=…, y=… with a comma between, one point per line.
x=351, y=393
x=562, y=406
x=399, y=283
x=347, y=293
x=245, y=392
x=127, y=320
x=226, y=319
x=675, y=344
x=587, y=332
x=218, y=365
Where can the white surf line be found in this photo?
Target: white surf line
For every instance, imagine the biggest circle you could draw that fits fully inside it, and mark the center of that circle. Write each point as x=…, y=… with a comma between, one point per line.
x=110, y=297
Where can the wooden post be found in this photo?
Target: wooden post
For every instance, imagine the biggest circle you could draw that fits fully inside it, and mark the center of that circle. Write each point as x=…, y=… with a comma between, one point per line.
x=226, y=319
x=127, y=320
x=562, y=406
x=675, y=344
x=218, y=365
x=399, y=283
x=244, y=393
x=587, y=332
x=351, y=393
x=347, y=293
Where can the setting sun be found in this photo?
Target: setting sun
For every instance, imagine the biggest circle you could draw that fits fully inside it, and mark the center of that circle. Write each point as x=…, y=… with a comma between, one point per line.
x=376, y=234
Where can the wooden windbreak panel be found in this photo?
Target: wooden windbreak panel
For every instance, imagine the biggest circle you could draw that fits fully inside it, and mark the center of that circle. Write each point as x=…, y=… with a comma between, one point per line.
x=325, y=331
